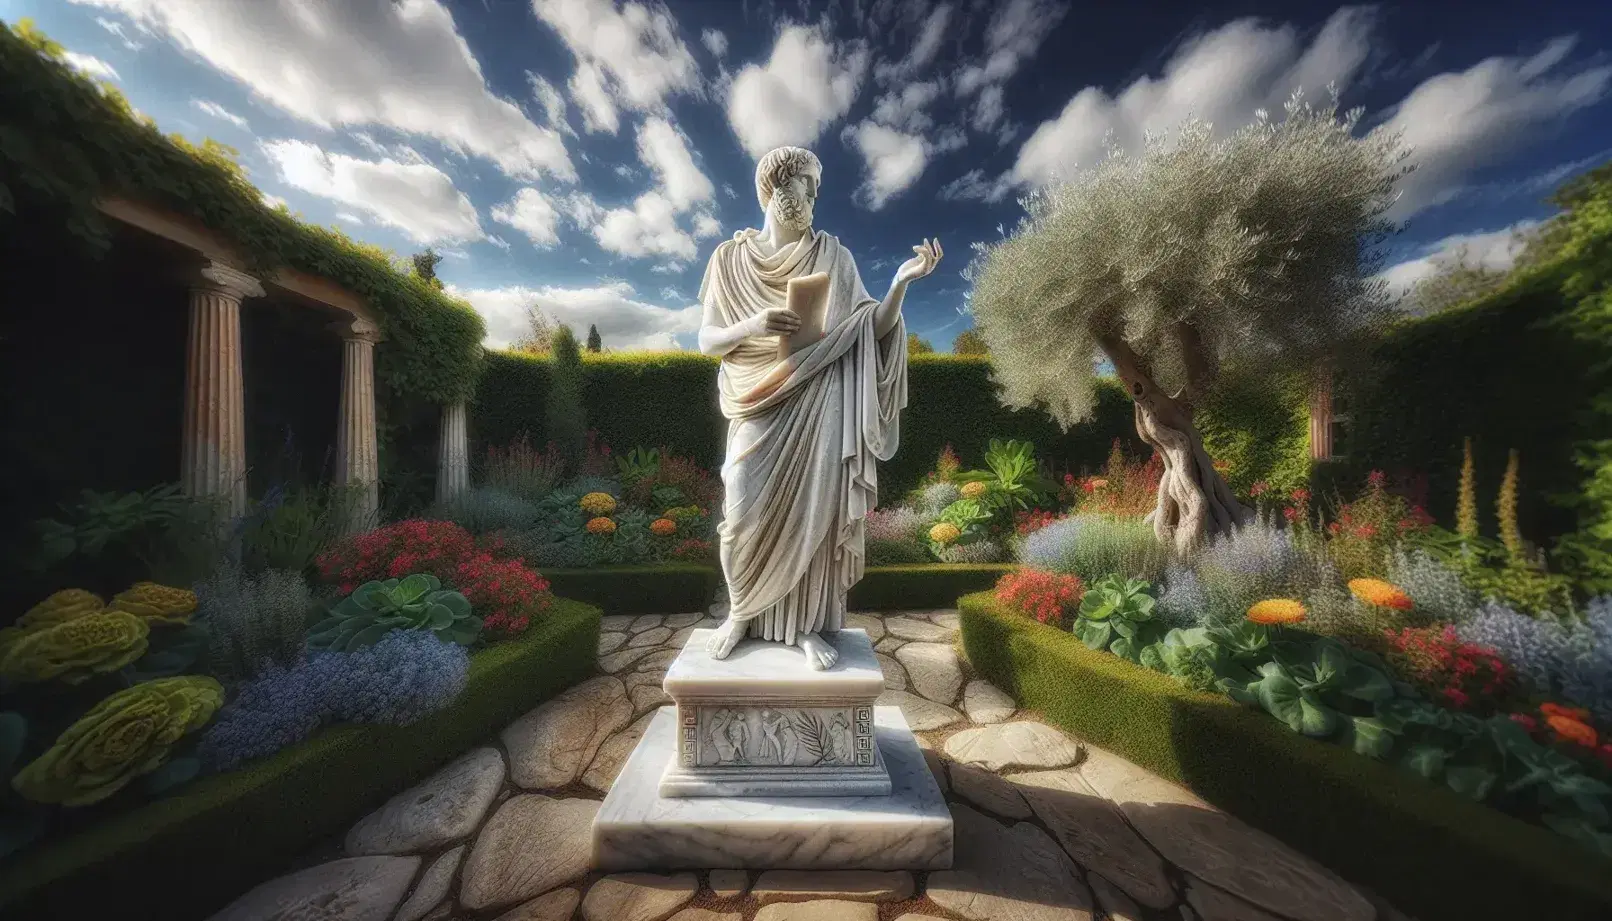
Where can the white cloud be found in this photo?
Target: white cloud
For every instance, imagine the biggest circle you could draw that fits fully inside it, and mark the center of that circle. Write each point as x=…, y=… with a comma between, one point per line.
x=807, y=83
x=273, y=201
x=904, y=109
x=664, y=150
x=116, y=28
x=648, y=228
x=90, y=65
x=894, y=160
x=1460, y=122
x=1494, y=250
x=630, y=57
x=218, y=111
x=923, y=50
x=706, y=225
x=1221, y=76
x=416, y=198
x=401, y=65
x=1012, y=37
x=532, y=213
x=498, y=241
x=715, y=42
x=624, y=321
x=553, y=102
x=349, y=217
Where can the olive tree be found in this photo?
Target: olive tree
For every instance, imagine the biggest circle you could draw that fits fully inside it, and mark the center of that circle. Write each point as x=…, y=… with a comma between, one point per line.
x=1196, y=253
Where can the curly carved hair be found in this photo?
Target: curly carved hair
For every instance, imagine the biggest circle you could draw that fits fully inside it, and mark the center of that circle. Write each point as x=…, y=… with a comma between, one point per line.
x=781, y=164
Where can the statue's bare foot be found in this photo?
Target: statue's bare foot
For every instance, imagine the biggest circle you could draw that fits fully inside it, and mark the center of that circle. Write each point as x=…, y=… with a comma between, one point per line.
x=820, y=654
x=725, y=638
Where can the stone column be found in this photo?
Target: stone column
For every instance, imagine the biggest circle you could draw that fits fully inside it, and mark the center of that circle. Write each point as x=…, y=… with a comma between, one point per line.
x=453, y=453
x=1321, y=415
x=357, y=444
x=213, y=449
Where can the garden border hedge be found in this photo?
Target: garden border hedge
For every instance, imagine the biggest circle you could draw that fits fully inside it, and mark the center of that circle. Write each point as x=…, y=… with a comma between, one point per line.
x=922, y=586
x=673, y=588
x=1425, y=849
x=190, y=854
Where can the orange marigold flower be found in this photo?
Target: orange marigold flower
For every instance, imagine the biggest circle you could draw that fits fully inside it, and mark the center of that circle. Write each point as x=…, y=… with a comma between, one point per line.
x=663, y=527
x=1572, y=730
x=1551, y=708
x=1380, y=593
x=1277, y=611
x=601, y=525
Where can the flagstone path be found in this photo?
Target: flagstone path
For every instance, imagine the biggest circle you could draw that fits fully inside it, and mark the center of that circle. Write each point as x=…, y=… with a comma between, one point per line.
x=1047, y=827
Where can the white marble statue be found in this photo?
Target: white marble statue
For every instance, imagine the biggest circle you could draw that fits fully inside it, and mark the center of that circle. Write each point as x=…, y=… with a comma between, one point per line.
x=804, y=432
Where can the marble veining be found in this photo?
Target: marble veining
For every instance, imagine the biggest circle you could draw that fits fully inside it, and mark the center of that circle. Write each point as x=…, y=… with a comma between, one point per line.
x=758, y=670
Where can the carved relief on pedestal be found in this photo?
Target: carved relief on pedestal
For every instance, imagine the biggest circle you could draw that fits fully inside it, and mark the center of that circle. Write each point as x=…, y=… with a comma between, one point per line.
x=777, y=737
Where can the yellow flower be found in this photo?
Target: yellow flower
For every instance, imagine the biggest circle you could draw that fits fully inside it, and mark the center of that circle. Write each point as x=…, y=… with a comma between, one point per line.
x=664, y=527
x=944, y=533
x=124, y=736
x=156, y=604
x=601, y=525
x=63, y=606
x=77, y=649
x=598, y=503
x=1277, y=611
x=974, y=490
x=1380, y=593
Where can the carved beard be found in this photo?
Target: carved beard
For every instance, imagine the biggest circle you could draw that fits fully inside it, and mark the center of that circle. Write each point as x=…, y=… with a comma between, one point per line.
x=790, y=211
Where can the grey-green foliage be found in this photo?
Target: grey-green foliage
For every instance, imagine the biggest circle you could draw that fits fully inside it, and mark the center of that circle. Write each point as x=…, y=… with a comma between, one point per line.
x=934, y=498
x=253, y=621
x=1257, y=244
x=566, y=419
x=484, y=509
x=1438, y=590
x=1092, y=546
x=374, y=609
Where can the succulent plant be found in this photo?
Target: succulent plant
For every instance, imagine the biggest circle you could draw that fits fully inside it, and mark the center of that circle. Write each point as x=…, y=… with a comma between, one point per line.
x=127, y=735
x=374, y=609
x=67, y=604
x=637, y=464
x=75, y=650
x=156, y=604
x=1116, y=614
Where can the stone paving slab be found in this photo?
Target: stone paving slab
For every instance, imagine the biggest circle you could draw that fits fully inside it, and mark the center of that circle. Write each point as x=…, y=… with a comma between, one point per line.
x=1047, y=829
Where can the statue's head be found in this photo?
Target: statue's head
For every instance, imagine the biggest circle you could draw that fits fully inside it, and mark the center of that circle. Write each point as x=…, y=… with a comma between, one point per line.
x=786, y=185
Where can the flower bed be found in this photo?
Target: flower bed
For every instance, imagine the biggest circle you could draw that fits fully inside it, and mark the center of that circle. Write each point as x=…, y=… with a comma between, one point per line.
x=189, y=854
x=1420, y=845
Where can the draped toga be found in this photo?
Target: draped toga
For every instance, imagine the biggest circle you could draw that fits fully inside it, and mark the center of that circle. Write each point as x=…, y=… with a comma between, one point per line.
x=804, y=436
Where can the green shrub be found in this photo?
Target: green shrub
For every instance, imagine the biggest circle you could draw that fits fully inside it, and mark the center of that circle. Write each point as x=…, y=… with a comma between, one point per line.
x=484, y=510
x=188, y=855
x=915, y=588
x=670, y=588
x=1094, y=546
x=1418, y=845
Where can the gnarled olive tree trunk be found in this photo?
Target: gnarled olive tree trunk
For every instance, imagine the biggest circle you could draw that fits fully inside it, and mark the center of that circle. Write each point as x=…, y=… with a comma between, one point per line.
x=1194, y=503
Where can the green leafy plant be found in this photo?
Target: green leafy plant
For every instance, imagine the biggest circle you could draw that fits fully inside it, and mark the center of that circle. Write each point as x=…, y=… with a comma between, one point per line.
x=1013, y=479
x=637, y=464
x=1323, y=689
x=1116, y=614
x=159, y=527
x=416, y=602
x=1189, y=656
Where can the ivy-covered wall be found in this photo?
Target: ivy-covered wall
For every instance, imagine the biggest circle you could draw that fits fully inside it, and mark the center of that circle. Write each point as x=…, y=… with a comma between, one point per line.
x=669, y=399
x=68, y=141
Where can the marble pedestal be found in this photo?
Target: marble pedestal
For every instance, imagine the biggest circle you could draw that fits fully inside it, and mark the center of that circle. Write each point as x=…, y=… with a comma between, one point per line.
x=763, y=723
x=908, y=829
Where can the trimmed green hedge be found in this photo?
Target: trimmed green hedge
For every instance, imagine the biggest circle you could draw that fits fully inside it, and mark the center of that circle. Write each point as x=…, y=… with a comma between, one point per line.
x=669, y=399
x=675, y=588
x=924, y=586
x=1425, y=849
x=1504, y=370
x=191, y=854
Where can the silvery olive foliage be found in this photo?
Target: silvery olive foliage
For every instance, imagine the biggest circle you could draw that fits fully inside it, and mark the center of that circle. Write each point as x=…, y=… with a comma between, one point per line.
x=1263, y=241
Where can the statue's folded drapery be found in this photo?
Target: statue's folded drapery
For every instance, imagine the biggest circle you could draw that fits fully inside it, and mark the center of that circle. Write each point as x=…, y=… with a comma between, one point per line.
x=804, y=436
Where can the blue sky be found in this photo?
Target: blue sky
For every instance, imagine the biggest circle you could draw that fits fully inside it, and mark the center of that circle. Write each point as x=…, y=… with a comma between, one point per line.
x=587, y=155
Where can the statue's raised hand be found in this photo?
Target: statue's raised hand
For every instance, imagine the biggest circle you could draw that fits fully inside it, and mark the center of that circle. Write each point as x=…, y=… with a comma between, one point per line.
x=928, y=255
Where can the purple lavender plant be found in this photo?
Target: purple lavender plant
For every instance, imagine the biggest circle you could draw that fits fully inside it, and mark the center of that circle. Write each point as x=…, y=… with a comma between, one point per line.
x=403, y=677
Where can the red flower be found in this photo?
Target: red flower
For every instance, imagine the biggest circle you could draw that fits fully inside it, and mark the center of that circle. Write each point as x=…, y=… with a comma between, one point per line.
x=1291, y=514
x=1375, y=479
x=1046, y=596
x=1258, y=489
x=1301, y=495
